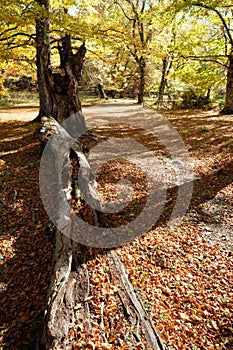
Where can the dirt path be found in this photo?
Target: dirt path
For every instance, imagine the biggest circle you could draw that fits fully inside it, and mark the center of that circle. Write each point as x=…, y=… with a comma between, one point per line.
x=22, y=114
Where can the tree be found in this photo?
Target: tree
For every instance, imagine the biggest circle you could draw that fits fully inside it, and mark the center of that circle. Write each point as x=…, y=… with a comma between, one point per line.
x=221, y=12
x=58, y=91
x=58, y=86
x=139, y=18
x=128, y=24
x=197, y=66
x=17, y=51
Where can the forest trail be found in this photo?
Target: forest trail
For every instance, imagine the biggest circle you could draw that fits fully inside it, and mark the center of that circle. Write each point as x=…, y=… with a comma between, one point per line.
x=26, y=113
x=18, y=113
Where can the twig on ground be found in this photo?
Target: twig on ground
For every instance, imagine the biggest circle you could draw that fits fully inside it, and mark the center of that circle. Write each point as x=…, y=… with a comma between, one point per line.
x=102, y=320
x=33, y=211
x=86, y=305
x=14, y=199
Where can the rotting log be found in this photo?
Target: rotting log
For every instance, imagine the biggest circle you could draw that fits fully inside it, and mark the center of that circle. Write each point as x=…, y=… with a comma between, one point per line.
x=70, y=279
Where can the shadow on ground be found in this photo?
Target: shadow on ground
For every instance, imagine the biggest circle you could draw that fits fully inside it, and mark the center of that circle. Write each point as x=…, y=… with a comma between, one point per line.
x=25, y=247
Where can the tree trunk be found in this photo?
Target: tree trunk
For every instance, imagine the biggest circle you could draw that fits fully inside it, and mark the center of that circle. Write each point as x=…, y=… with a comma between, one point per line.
x=228, y=109
x=58, y=92
x=101, y=92
x=142, y=73
x=43, y=53
x=68, y=272
x=163, y=82
x=166, y=67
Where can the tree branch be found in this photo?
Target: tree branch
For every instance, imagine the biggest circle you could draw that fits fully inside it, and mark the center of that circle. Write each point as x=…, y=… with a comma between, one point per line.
x=30, y=36
x=8, y=30
x=140, y=24
x=228, y=31
x=143, y=6
x=205, y=59
x=122, y=9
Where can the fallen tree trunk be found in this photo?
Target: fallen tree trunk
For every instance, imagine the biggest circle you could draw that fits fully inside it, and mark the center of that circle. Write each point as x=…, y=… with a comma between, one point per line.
x=69, y=285
x=63, y=292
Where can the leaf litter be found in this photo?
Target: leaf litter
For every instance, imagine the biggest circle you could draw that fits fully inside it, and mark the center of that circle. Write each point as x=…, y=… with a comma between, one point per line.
x=184, y=277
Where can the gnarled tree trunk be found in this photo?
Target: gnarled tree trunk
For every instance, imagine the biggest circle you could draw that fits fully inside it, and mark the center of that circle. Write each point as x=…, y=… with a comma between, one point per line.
x=58, y=91
x=68, y=271
x=64, y=85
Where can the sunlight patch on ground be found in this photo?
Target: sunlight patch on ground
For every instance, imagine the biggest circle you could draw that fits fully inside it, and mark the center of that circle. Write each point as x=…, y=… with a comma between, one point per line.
x=21, y=114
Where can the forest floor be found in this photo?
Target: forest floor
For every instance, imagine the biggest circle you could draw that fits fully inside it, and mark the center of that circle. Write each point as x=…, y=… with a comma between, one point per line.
x=184, y=275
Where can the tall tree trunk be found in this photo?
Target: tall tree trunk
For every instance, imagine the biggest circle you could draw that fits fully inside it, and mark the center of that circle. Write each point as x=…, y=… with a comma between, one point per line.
x=58, y=92
x=228, y=108
x=162, y=82
x=43, y=53
x=101, y=92
x=166, y=67
x=141, y=87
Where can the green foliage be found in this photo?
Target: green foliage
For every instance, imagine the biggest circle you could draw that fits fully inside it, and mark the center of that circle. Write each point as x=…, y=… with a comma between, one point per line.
x=205, y=129
x=32, y=164
x=24, y=98
x=121, y=36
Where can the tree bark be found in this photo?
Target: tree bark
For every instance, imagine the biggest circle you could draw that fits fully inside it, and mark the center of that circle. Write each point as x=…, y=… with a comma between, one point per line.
x=64, y=85
x=132, y=303
x=228, y=108
x=141, y=87
x=68, y=270
x=43, y=53
x=163, y=82
x=166, y=67
x=101, y=92
x=58, y=92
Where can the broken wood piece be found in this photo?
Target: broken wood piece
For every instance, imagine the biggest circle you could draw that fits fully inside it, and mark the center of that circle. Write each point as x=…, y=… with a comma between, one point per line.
x=132, y=300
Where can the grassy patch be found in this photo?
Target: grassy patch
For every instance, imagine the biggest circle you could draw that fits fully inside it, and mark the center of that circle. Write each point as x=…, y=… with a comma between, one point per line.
x=24, y=98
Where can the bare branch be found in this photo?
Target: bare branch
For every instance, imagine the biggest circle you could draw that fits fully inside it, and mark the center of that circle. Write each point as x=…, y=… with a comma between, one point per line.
x=122, y=9
x=8, y=30
x=143, y=6
x=12, y=45
x=206, y=59
x=30, y=36
x=227, y=6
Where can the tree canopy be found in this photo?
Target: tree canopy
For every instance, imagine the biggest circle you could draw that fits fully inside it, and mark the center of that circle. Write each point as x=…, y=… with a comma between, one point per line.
x=158, y=47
